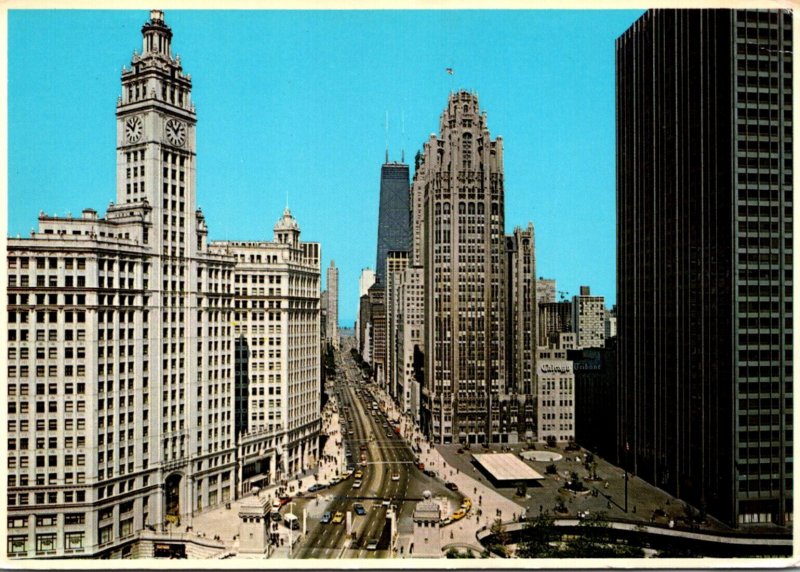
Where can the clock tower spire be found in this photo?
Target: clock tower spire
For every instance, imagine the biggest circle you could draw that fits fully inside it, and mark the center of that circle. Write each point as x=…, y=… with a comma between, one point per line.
x=156, y=140
x=156, y=35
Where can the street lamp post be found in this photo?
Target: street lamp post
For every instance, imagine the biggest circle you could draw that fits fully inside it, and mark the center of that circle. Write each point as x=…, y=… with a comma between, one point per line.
x=627, y=449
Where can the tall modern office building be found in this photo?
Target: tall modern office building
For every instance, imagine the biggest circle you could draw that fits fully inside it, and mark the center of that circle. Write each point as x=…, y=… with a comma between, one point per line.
x=464, y=257
x=704, y=215
x=332, y=317
x=394, y=217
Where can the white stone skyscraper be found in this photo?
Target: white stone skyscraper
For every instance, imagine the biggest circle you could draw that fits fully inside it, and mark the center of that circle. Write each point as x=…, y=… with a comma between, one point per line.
x=120, y=340
x=121, y=376
x=277, y=343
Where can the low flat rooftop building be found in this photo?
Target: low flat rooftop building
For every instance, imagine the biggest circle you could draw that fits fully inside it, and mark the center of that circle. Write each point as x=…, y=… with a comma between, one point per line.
x=505, y=469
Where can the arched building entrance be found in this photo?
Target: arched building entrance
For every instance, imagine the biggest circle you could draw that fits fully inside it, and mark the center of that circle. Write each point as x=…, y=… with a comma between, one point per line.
x=172, y=498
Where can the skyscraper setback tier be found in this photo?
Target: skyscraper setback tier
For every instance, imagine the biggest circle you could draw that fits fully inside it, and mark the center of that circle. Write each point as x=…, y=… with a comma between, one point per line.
x=394, y=218
x=704, y=215
x=121, y=341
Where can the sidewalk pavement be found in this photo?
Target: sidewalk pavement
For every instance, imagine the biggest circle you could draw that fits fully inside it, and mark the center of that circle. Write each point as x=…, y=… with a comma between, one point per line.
x=224, y=523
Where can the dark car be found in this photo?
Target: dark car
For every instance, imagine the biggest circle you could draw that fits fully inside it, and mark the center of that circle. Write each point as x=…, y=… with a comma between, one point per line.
x=315, y=487
x=429, y=473
x=276, y=516
x=359, y=509
x=326, y=518
x=451, y=486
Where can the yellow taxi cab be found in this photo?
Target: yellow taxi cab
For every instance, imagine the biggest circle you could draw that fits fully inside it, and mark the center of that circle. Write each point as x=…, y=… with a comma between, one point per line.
x=459, y=514
x=338, y=517
x=359, y=474
x=466, y=504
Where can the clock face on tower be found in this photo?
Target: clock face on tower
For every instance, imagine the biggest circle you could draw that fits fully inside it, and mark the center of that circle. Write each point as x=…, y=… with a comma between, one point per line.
x=176, y=132
x=133, y=129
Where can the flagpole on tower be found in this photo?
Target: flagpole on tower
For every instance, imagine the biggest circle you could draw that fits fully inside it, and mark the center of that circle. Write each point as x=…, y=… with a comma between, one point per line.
x=386, y=135
x=451, y=73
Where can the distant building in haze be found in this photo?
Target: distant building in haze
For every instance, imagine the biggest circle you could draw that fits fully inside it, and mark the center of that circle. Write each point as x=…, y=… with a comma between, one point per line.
x=365, y=280
x=332, y=318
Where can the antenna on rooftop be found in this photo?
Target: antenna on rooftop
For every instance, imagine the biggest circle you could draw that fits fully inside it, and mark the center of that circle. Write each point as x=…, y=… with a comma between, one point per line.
x=386, y=135
x=402, y=137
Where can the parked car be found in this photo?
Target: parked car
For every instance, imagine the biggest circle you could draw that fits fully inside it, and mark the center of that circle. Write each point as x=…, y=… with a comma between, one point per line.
x=316, y=487
x=459, y=514
x=359, y=509
x=326, y=518
x=451, y=486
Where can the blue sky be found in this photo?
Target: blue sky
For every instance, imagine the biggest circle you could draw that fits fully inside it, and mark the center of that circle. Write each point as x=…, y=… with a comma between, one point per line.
x=295, y=101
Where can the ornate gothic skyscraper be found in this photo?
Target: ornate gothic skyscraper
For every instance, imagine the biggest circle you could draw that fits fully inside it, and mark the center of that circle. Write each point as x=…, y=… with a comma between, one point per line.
x=464, y=256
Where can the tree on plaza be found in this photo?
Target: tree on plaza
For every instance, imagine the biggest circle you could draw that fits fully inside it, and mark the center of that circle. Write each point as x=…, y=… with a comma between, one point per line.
x=538, y=537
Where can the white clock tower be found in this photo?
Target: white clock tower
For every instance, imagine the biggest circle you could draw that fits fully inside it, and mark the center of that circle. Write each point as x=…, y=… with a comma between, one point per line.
x=156, y=175
x=156, y=127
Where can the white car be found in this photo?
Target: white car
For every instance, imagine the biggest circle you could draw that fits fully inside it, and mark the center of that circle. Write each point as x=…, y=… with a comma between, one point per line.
x=357, y=484
x=395, y=476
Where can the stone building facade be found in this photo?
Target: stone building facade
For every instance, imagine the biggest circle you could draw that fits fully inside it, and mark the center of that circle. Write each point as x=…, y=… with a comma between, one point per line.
x=121, y=351
x=589, y=319
x=332, y=315
x=277, y=368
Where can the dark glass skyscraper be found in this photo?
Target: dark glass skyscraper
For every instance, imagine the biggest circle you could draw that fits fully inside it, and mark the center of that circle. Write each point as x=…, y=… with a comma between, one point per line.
x=394, y=218
x=704, y=239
